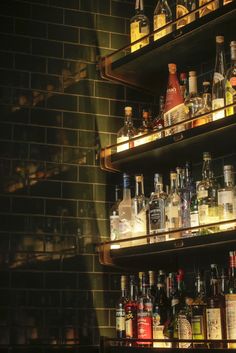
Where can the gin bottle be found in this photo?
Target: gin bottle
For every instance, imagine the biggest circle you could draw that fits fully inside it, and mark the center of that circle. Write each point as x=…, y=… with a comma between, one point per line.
x=139, y=27
x=230, y=82
x=125, y=210
x=126, y=132
x=162, y=16
x=139, y=211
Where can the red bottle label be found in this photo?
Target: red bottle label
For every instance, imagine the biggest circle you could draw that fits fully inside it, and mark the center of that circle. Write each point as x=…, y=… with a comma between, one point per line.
x=144, y=329
x=173, y=93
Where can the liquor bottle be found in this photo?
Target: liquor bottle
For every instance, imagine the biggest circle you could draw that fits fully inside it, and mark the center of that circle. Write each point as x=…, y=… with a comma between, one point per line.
x=131, y=311
x=126, y=132
x=160, y=310
x=162, y=16
x=144, y=313
x=193, y=102
x=183, y=7
x=145, y=129
x=207, y=8
x=120, y=309
x=139, y=212
x=223, y=281
x=139, y=27
x=125, y=211
x=199, y=311
x=173, y=294
x=173, y=207
x=227, y=198
x=158, y=122
x=230, y=82
x=184, y=191
x=114, y=219
x=183, y=84
x=215, y=310
x=218, y=89
x=230, y=301
x=152, y=284
x=206, y=106
x=156, y=210
x=194, y=216
x=175, y=110
x=207, y=193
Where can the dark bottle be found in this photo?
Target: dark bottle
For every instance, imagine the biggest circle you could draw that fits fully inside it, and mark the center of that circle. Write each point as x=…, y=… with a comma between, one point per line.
x=232, y=273
x=158, y=122
x=199, y=312
x=230, y=301
x=120, y=309
x=144, y=313
x=223, y=281
x=131, y=311
x=215, y=311
x=160, y=310
x=152, y=285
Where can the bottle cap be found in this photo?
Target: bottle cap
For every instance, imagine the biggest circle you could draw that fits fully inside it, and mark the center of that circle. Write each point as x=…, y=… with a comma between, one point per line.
x=228, y=167
x=233, y=43
x=206, y=156
x=158, y=178
x=192, y=73
x=206, y=83
x=219, y=39
x=139, y=177
x=183, y=76
x=128, y=109
x=172, y=68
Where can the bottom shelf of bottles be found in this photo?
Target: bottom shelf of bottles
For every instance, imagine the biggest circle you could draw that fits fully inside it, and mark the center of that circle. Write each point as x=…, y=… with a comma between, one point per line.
x=115, y=345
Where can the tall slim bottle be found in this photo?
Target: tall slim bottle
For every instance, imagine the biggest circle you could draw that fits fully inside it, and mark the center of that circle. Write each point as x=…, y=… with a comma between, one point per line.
x=139, y=27
x=162, y=16
x=158, y=122
x=125, y=211
x=173, y=207
x=114, y=219
x=193, y=100
x=120, y=309
x=230, y=301
x=126, y=132
x=183, y=7
x=175, y=110
x=139, y=212
x=230, y=82
x=131, y=311
x=218, y=87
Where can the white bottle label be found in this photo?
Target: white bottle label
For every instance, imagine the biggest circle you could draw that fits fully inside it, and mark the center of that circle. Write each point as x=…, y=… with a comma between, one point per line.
x=230, y=308
x=114, y=227
x=184, y=331
x=202, y=194
x=194, y=219
x=120, y=320
x=213, y=317
x=216, y=104
x=225, y=197
x=157, y=332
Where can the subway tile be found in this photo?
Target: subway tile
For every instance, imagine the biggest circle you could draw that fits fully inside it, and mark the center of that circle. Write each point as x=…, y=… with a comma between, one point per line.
x=79, y=263
x=46, y=153
x=61, y=137
x=79, y=299
x=93, y=105
x=96, y=6
x=78, y=156
x=93, y=37
x=77, y=191
x=46, y=117
x=46, y=188
x=109, y=124
x=80, y=52
x=62, y=102
x=81, y=121
x=66, y=4
x=92, y=174
x=28, y=205
x=82, y=87
x=29, y=133
x=61, y=280
x=27, y=280
x=63, y=33
x=6, y=24
x=5, y=131
x=30, y=63
x=30, y=28
x=14, y=78
x=13, y=150
x=47, y=13
x=47, y=48
x=87, y=139
x=119, y=7
x=106, y=298
x=93, y=281
x=15, y=8
x=41, y=82
x=110, y=24
x=15, y=43
x=55, y=207
x=6, y=60
x=109, y=90
x=79, y=19
x=119, y=41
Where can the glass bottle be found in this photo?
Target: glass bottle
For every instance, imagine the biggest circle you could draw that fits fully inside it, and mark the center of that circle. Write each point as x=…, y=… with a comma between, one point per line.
x=162, y=16
x=230, y=301
x=139, y=211
x=183, y=84
x=230, y=82
x=207, y=193
x=139, y=27
x=125, y=211
x=160, y=310
x=131, y=311
x=194, y=216
x=227, y=198
x=152, y=284
x=193, y=102
x=173, y=206
x=156, y=210
x=114, y=219
x=183, y=7
x=184, y=191
x=207, y=8
x=173, y=294
x=218, y=89
x=199, y=311
x=126, y=132
x=175, y=110
x=158, y=122
x=206, y=106
x=215, y=311
x=144, y=313
x=120, y=309
x=145, y=128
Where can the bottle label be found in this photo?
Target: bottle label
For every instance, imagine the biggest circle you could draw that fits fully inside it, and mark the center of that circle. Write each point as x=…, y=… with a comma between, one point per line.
x=184, y=331
x=230, y=308
x=226, y=197
x=137, y=33
x=218, y=77
x=208, y=8
x=120, y=320
x=155, y=219
x=182, y=11
x=208, y=214
x=230, y=93
x=124, y=228
x=157, y=332
x=172, y=217
x=140, y=223
x=160, y=21
x=124, y=146
x=130, y=323
x=194, y=219
x=198, y=327
x=144, y=328
x=213, y=318
x=202, y=194
x=114, y=227
x=216, y=104
x=175, y=115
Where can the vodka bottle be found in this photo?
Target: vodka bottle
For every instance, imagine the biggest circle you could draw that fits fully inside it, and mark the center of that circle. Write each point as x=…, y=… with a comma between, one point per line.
x=162, y=16
x=139, y=27
x=230, y=82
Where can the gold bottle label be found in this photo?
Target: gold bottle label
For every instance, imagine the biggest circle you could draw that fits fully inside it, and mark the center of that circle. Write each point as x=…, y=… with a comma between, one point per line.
x=137, y=33
x=160, y=21
x=182, y=11
x=229, y=97
x=208, y=8
x=216, y=104
x=214, y=330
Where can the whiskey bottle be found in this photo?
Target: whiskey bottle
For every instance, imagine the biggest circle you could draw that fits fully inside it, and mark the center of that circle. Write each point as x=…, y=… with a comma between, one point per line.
x=230, y=82
x=131, y=311
x=156, y=210
x=120, y=309
x=158, y=122
x=162, y=16
x=125, y=211
x=227, y=198
x=218, y=88
x=206, y=8
x=207, y=193
x=126, y=132
x=139, y=211
x=206, y=106
x=114, y=219
x=193, y=102
x=175, y=110
x=173, y=206
x=139, y=27
x=183, y=7
x=145, y=129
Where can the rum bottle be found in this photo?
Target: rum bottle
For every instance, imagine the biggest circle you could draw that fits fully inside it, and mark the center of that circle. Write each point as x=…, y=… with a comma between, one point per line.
x=162, y=16
x=139, y=27
x=230, y=82
x=120, y=309
x=126, y=132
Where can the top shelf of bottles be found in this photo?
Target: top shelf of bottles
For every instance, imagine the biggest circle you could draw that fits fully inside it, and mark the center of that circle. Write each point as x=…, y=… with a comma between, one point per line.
x=146, y=68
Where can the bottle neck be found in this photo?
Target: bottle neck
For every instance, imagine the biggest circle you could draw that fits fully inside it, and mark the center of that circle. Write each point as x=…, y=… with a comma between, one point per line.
x=139, y=6
x=200, y=288
x=220, y=59
x=192, y=85
x=128, y=119
x=173, y=184
x=207, y=172
x=139, y=188
x=126, y=188
x=206, y=97
x=228, y=178
x=158, y=188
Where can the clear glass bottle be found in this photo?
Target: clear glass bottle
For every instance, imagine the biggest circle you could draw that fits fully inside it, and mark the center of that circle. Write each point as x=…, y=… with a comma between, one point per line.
x=158, y=122
x=175, y=110
x=120, y=309
x=184, y=188
x=114, y=219
x=218, y=87
x=230, y=301
x=173, y=206
x=230, y=82
x=139, y=211
x=125, y=211
x=183, y=7
x=227, y=198
x=156, y=209
x=145, y=128
x=126, y=132
x=194, y=216
x=193, y=102
x=139, y=27
x=207, y=8
x=206, y=106
x=162, y=16
x=207, y=193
